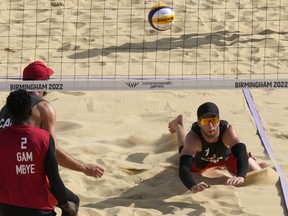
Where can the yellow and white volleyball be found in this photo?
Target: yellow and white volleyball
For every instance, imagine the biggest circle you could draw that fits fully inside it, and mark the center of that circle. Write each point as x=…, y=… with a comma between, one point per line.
x=161, y=17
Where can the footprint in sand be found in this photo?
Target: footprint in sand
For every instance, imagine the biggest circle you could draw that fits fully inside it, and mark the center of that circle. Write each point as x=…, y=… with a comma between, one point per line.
x=174, y=29
x=255, y=50
x=282, y=136
x=151, y=32
x=137, y=157
x=134, y=164
x=67, y=126
x=67, y=46
x=56, y=4
x=10, y=50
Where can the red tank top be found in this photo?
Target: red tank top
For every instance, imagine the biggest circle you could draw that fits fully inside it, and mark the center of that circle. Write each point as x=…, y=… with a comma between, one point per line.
x=22, y=153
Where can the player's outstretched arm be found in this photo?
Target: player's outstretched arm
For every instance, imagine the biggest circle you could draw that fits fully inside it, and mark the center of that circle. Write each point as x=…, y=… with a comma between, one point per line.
x=67, y=161
x=48, y=122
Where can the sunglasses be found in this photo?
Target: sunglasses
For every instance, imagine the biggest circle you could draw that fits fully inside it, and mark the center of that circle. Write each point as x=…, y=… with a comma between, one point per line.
x=205, y=121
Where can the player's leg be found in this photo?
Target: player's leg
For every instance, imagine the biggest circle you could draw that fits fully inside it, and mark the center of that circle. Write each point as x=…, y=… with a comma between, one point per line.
x=176, y=126
x=10, y=210
x=253, y=164
x=72, y=198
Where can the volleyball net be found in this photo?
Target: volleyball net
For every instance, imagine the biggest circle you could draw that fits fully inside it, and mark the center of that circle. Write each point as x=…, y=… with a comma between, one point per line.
x=99, y=45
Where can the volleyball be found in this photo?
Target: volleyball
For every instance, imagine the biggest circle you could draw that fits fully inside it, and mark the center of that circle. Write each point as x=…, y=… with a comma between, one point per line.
x=161, y=17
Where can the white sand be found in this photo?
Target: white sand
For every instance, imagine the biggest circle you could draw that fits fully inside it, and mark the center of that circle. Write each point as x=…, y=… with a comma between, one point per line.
x=126, y=133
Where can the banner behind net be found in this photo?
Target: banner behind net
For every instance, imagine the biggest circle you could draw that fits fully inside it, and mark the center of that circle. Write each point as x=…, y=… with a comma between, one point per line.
x=108, y=44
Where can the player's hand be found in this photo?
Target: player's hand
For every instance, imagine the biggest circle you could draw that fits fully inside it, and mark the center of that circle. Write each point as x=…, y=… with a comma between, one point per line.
x=71, y=208
x=199, y=187
x=235, y=180
x=93, y=170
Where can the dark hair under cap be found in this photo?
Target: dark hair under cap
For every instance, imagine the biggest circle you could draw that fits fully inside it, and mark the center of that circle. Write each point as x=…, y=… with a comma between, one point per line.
x=19, y=104
x=207, y=109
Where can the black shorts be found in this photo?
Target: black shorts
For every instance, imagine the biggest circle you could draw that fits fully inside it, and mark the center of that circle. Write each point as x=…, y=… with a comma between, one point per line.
x=9, y=210
x=72, y=198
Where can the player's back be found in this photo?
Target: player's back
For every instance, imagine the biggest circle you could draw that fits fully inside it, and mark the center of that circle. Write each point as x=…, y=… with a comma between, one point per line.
x=23, y=149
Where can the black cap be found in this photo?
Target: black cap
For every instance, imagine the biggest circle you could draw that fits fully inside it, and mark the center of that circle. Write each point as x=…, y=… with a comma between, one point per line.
x=207, y=109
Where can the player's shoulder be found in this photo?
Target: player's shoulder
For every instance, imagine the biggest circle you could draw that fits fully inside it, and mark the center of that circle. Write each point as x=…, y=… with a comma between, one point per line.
x=229, y=127
x=193, y=138
x=44, y=106
x=230, y=133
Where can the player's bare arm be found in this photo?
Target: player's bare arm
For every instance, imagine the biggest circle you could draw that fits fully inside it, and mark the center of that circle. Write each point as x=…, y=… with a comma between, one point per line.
x=47, y=121
x=230, y=137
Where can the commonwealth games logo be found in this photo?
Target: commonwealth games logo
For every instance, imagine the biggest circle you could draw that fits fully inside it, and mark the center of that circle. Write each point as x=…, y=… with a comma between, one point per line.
x=132, y=84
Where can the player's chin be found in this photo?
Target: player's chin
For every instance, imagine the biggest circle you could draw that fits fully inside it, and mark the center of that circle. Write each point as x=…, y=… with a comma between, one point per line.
x=211, y=134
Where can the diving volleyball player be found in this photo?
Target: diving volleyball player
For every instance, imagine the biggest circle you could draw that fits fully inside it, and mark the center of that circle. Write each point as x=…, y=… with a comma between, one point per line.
x=211, y=142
